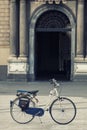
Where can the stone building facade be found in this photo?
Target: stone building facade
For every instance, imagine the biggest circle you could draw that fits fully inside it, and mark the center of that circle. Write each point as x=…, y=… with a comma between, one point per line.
x=42, y=39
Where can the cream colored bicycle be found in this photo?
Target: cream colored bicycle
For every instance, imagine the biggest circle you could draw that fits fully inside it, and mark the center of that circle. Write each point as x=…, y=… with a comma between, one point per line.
x=25, y=107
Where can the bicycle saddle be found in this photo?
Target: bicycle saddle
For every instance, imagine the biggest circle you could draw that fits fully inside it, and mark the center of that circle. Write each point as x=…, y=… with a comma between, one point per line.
x=34, y=92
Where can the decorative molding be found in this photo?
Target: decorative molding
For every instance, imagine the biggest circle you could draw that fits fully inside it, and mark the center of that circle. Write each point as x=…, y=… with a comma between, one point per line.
x=80, y=68
x=81, y=1
x=53, y=19
x=58, y=1
x=18, y=68
x=13, y=1
x=22, y=1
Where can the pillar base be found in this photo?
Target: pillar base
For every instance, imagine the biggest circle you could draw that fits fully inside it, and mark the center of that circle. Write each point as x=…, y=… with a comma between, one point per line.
x=80, y=78
x=18, y=68
x=80, y=69
x=31, y=77
x=79, y=58
x=18, y=77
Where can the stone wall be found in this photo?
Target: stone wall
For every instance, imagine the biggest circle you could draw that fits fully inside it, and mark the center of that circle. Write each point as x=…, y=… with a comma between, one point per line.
x=4, y=22
x=4, y=36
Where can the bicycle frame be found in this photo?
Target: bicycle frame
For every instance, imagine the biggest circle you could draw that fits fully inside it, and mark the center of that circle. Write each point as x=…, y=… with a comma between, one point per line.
x=53, y=94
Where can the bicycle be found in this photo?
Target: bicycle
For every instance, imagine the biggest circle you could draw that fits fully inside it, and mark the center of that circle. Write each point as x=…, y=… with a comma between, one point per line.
x=25, y=107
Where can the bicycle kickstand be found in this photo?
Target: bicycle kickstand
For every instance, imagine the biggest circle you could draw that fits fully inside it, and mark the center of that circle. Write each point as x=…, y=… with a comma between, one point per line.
x=40, y=120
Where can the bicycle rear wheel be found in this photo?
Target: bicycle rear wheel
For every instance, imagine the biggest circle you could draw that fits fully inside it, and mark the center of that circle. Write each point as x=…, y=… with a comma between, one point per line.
x=62, y=110
x=17, y=110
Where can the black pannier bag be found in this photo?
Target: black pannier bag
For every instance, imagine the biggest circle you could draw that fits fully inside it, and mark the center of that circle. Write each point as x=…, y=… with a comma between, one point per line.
x=24, y=103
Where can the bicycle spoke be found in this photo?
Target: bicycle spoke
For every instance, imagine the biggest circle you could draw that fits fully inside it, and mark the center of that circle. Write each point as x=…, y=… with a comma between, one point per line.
x=18, y=114
x=63, y=111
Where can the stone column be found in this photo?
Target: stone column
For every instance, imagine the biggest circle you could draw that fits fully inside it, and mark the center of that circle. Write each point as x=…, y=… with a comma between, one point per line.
x=23, y=29
x=80, y=29
x=17, y=64
x=13, y=28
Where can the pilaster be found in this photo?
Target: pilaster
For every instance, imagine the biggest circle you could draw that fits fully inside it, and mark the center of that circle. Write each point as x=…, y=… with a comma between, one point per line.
x=18, y=64
x=13, y=28
x=80, y=29
x=23, y=29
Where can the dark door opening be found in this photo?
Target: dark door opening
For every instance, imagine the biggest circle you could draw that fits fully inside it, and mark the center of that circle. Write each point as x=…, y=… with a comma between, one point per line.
x=51, y=53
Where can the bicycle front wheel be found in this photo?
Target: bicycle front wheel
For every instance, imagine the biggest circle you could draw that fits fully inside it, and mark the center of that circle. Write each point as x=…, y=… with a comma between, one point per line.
x=62, y=110
x=17, y=110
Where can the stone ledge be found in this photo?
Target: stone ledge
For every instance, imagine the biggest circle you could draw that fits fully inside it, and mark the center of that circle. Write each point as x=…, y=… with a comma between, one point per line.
x=17, y=77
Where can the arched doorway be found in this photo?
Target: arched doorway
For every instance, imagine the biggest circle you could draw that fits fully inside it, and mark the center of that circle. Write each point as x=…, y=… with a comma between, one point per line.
x=53, y=46
x=62, y=33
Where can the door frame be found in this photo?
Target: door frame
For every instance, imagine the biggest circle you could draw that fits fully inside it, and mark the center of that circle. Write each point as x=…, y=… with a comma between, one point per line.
x=36, y=14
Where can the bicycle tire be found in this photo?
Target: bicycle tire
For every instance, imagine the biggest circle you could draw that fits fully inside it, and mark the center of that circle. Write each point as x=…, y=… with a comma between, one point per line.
x=18, y=114
x=62, y=110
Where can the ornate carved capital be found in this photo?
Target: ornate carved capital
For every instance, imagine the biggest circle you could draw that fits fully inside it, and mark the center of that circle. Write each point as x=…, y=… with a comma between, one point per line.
x=13, y=1
x=80, y=1
x=22, y=1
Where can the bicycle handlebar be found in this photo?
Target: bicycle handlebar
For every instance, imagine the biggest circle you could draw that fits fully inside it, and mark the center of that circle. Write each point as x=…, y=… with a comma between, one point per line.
x=53, y=81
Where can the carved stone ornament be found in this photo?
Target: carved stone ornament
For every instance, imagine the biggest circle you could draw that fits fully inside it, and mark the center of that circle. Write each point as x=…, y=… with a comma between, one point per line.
x=58, y=1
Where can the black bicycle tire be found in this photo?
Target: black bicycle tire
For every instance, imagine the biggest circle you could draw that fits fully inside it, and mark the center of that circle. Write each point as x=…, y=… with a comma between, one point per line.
x=11, y=108
x=74, y=107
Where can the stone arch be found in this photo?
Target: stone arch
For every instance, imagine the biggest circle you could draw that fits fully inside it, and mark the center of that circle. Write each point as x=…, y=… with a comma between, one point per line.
x=52, y=19
x=36, y=14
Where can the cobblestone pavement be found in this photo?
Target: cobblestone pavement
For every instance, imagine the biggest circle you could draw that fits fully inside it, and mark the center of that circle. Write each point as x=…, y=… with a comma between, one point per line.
x=76, y=91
